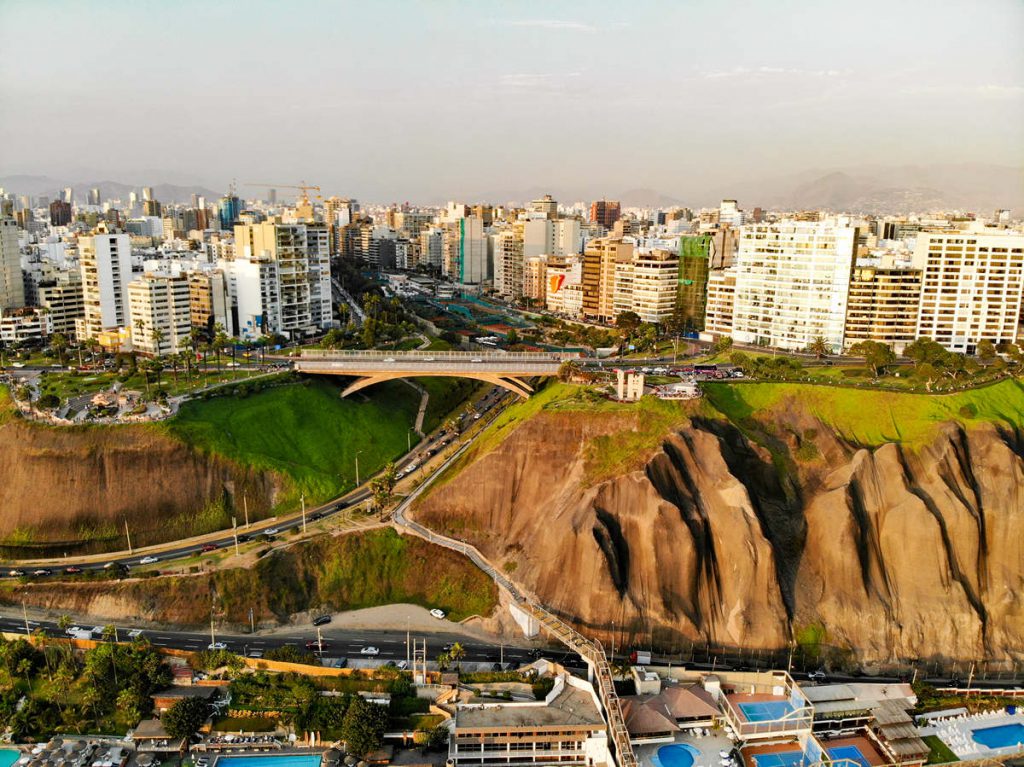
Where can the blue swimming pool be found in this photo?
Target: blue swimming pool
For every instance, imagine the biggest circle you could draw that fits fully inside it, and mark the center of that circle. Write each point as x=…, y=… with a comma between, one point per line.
x=783, y=759
x=8, y=756
x=851, y=753
x=291, y=760
x=677, y=755
x=1001, y=736
x=766, y=711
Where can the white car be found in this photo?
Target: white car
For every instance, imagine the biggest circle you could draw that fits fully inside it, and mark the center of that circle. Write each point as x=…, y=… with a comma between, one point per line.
x=402, y=665
x=369, y=651
x=271, y=531
x=135, y=633
x=439, y=614
x=476, y=359
x=73, y=630
x=410, y=468
x=216, y=646
x=148, y=560
x=389, y=359
x=428, y=359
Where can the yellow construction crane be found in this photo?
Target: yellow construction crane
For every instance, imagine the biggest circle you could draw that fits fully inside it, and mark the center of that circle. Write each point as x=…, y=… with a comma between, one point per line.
x=306, y=188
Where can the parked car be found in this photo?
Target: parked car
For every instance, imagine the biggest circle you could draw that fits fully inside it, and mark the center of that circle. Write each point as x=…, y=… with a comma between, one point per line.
x=216, y=646
x=817, y=676
x=439, y=614
x=321, y=620
x=369, y=650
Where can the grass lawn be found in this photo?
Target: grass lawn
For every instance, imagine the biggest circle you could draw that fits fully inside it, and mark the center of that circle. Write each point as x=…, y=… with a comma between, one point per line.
x=446, y=395
x=940, y=753
x=305, y=431
x=871, y=417
x=245, y=724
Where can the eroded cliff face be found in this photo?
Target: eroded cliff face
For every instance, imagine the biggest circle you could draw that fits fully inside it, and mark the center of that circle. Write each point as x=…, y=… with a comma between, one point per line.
x=79, y=486
x=892, y=553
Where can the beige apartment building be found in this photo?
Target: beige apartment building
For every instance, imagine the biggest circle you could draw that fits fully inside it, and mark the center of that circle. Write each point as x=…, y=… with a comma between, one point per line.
x=158, y=306
x=971, y=287
x=883, y=305
x=535, y=274
x=655, y=285
x=721, y=299
x=599, y=263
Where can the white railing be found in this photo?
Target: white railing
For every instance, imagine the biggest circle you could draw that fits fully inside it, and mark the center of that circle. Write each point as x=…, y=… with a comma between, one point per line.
x=435, y=356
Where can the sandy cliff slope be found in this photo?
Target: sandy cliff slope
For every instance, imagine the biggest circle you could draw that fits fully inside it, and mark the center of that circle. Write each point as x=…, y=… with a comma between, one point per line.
x=708, y=536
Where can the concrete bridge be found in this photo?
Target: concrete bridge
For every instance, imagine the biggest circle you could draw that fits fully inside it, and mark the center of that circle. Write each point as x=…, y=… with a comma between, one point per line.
x=507, y=369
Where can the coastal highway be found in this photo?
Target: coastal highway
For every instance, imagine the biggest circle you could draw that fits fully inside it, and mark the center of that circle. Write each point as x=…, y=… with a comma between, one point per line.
x=338, y=642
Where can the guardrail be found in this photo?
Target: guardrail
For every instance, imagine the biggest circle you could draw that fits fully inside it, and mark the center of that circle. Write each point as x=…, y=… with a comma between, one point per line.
x=438, y=356
x=590, y=649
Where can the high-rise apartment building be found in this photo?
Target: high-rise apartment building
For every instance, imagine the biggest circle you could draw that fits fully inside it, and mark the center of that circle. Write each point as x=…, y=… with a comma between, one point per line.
x=655, y=285
x=547, y=206
x=720, y=303
x=466, y=251
x=60, y=213
x=230, y=208
x=105, y=261
x=792, y=283
x=158, y=308
x=302, y=269
x=883, y=304
x=971, y=286
x=509, y=265
x=599, y=260
x=210, y=303
x=605, y=212
x=12, y=285
x=63, y=299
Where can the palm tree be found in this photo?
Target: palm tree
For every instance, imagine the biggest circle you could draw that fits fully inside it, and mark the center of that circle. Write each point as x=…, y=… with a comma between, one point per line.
x=64, y=623
x=140, y=327
x=157, y=335
x=457, y=653
x=220, y=340
x=819, y=347
x=59, y=343
x=184, y=345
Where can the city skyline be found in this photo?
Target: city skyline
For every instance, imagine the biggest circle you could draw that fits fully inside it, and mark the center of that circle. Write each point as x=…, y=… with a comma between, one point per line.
x=487, y=100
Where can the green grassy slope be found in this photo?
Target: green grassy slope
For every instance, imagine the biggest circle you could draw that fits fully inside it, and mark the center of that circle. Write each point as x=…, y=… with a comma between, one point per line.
x=304, y=431
x=870, y=417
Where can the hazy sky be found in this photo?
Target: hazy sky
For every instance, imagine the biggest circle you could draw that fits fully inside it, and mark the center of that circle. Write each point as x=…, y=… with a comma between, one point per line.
x=426, y=101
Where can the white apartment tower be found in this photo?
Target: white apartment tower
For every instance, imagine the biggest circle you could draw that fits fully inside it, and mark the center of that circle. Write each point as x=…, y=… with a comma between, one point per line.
x=12, y=287
x=105, y=260
x=509, y=265
x=792, y=283
x=971, y=286
x=160, y=313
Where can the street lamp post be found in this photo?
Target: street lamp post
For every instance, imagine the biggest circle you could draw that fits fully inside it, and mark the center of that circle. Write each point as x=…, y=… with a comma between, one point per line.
x=357, y=467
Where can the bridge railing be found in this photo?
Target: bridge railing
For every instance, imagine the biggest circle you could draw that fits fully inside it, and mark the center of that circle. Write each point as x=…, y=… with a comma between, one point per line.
x=436, y=356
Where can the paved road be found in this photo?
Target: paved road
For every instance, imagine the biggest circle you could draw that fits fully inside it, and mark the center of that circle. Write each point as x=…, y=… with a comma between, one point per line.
x=338, y=642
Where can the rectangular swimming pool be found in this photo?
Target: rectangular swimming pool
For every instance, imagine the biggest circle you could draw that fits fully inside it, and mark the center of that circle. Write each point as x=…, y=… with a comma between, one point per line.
x=273, y=760
x=849, y=752
x=783, y=759
x=9, y=756
x=766, y=711
x=1001, y=736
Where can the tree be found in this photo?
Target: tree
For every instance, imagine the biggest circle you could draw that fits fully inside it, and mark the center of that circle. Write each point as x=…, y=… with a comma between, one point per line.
x=512, y=337
x=457, y=653
x=819, y=347
x=185, y=717
x=59, y=343
x=157, y=336
x=568, y=369
x=986, y=350
x=722, y=344
x=363, y=727
x=876, y=355
x=627, y=322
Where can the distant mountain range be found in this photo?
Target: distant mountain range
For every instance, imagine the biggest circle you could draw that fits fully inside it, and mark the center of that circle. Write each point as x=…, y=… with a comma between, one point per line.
x=52, y=187
x=861, y=189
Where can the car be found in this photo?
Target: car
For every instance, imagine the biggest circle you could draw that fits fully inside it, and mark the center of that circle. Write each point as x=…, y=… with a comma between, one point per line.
x=41, y=572
x=271, y=531
x=317, y=515
x=149, y=560
x=72, y=570
x=439, y=614
x=135, y=634
x=209, y=547
x=256, y=653
x=476, y=359
x=389, y=359
x=447, y=647
x=110, y=565
x=369, y=650
x=321, y=620
x=411, y=468
x=476, y=416
x=428, y=359
x=216, y=646
x=97, y=631
x=317, y=645
x=244, y=538
x=402, y=665
x=72, y=630
x=817, y=676
x=15, y=573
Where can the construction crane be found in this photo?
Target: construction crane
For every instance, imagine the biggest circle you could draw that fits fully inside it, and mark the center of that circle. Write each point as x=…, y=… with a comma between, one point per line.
x=306, y=188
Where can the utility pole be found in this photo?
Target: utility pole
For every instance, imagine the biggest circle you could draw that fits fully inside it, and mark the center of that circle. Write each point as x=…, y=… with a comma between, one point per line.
x=319, y=641
x=234, y=532
x=252, y=622
x=245, y=506
x=128, y=535
x=24, y=610
x=357, y=467
x=213, y=639
x=303, y=500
